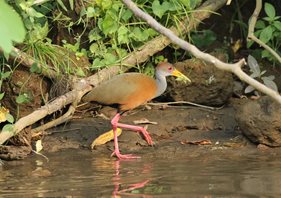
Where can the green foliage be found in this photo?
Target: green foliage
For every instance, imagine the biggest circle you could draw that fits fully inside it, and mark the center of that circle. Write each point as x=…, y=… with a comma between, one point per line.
x=10, y=118
x=11, y=27
x=118, y=32
x=268, y=31
x=8, y=127
x=204, y=38
x=4, y=75
x=257, y=73
x=23, y=98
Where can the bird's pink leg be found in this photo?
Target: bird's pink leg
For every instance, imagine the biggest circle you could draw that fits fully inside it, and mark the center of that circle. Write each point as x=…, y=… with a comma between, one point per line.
x=116, y=151
x=115, y=124
x=138, y=129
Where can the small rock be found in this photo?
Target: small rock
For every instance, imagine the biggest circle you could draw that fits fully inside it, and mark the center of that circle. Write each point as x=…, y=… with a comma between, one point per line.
x=259, y=120
x=209, y=86
x=262, y=147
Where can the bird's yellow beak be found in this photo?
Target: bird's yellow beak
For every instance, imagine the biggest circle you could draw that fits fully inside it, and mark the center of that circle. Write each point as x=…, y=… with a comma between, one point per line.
x=180, y=76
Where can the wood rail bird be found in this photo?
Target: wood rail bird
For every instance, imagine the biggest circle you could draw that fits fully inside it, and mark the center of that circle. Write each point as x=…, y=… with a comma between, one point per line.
x=128, y=91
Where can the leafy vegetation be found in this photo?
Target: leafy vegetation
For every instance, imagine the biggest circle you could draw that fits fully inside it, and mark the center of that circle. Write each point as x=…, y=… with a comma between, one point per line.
x=118, y=32
x=268, y=31
x=257, y=73
x=12, y=29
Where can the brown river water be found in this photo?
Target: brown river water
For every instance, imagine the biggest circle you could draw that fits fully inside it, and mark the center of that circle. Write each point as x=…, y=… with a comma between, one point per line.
x=77, y=173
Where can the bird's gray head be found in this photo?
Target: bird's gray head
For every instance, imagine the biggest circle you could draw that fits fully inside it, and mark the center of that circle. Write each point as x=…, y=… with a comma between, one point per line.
x=164, y=69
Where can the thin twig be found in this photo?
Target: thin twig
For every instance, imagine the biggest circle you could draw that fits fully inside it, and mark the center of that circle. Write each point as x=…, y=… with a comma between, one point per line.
x=37, y=153
x=184, y=102
x=64, y=118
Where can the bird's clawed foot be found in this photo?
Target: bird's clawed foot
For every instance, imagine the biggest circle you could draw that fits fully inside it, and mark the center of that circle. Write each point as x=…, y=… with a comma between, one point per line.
x=147, y=137
x=124, y=157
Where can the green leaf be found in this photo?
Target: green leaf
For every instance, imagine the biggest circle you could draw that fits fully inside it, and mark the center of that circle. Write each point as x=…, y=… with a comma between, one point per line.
x=79, y=72
x=266, y=34
x=254, y=66
x=22, y=98
x=150, y=32
x=204, y=38
x=126, y=15
x=10, y=118
x=138, y=35
x=5, y=75
x=94, y=48
x=266, y=54
x=35, y=69
x=39, y=32
x=91, y=12
x=249, y=89
x=250, y=43
x=277, y=25
x=186, y=3
x=11, y=27
x=268, y=19
x=121, y=52
x=97, y=63
x=257, y=33
x=270, y=83
x=109, y=58
x=71, y=3
x=260, y=24
x=98, y=50
x=123, y=36
x=33, y=13
x=2, y=95
x=104, y=4
x=269, y=10
x=109, y=24
x=62, y=5
x=158, y=9
x=94, y=35
x=8, y=128
x=194, y=3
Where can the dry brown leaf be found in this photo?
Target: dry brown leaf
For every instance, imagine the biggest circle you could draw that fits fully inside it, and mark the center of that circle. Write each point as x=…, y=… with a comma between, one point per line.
x=200, y=142
x=105, y=137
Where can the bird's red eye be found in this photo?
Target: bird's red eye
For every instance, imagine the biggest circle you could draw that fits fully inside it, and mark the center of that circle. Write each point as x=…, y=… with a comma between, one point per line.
x=170, y=68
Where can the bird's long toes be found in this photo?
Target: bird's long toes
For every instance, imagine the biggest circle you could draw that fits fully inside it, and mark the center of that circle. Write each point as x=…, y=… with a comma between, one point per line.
x=149, y=141
x=125, y=157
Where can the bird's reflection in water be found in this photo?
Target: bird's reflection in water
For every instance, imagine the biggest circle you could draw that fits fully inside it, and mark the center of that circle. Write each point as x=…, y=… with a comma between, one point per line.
x=117, y=181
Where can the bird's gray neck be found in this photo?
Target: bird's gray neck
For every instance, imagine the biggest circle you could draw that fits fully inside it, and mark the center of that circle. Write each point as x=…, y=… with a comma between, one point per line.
x=161, y=84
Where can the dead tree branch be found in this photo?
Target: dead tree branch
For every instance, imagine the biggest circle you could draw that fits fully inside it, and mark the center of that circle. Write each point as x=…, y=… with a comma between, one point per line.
x=234, y=68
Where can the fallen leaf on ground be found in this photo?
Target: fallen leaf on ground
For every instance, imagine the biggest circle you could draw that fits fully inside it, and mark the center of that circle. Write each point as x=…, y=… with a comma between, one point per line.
x=144, y=121
x=3, y=113
x=38, y=146
x=105, y=137
x=200, y=142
